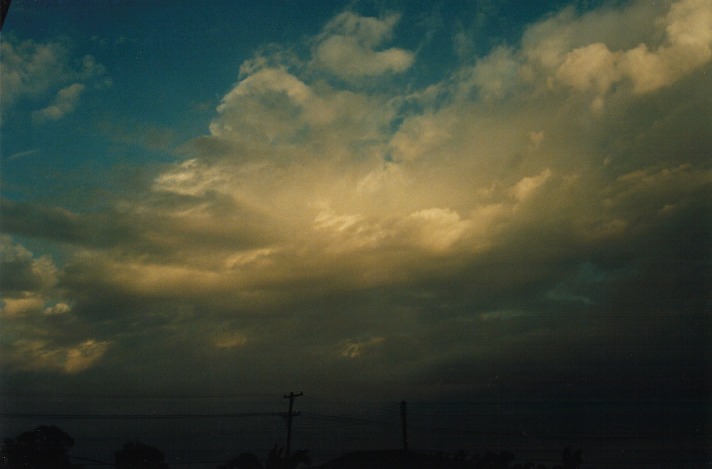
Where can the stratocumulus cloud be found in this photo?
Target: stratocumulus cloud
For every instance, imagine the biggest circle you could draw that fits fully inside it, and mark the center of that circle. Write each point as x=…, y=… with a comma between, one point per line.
x=510, y=214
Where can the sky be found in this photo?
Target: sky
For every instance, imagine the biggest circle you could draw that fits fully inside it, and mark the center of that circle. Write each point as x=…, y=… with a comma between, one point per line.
x=364, y=201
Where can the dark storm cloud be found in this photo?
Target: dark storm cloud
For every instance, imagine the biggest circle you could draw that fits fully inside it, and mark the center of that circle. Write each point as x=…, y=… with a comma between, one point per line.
x=134, y=229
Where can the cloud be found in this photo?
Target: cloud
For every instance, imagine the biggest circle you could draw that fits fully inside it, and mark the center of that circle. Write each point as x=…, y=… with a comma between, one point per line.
x=23, y=154
x=38, y=355
x=687, y=46
x=489, y=218
x=22, y=272
x=356, y=348
x=577, y=49
x=64, y=103
x=493, y=75
x=233, y=340
x=38, y=318
x=347, y=47
x=29, y=68
x=32, y=71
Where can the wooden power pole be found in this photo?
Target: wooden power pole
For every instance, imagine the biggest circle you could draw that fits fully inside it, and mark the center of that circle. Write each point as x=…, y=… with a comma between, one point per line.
x=291, y=396
x=404, y=426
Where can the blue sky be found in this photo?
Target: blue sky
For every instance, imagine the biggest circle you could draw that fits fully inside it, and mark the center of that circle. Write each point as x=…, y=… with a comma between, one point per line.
x=490, y=200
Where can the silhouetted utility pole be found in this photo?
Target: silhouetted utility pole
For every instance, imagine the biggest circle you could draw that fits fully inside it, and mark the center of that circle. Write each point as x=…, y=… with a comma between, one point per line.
x=403, y=410
x=291, y=396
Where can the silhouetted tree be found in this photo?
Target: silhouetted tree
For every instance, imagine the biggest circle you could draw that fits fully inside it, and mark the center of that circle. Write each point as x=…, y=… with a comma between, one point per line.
x=45, y=447
x=529, y=465
x=570, y=459
x=275, y=460
x=460, y=459
x=139, y=456
x=496, y=460
x=243, y=461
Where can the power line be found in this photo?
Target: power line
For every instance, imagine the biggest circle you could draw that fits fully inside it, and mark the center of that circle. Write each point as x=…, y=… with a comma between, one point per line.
x=386, y=416
x=139, y=416
x=24, y=395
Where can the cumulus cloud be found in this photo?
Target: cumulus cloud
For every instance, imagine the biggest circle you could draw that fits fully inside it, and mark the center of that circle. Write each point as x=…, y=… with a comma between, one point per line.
x=32, y=71
x=687, y=45
x=28, y=67
x=451, y=177
x=347, y=47
x=64, y=103
x=329, y=189
x=568, y=46
x=427, y=224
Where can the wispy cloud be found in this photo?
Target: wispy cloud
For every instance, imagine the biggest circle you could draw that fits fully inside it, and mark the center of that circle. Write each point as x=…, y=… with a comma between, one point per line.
x=23, y=154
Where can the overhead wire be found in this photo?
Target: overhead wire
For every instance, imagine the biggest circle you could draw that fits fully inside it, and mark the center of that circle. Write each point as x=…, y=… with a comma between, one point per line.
x=384, y=417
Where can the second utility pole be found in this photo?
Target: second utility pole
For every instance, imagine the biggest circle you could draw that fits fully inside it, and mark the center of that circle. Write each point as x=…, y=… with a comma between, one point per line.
x=404, y=425
x=291, y=396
